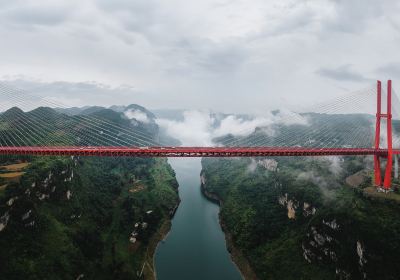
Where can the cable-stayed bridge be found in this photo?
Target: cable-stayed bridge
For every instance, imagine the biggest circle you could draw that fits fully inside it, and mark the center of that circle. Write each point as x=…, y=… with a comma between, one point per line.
x=361, y=123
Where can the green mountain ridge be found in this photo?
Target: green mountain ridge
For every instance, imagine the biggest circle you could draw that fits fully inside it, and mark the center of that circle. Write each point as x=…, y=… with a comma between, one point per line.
x=77, y=217
x=297, y=218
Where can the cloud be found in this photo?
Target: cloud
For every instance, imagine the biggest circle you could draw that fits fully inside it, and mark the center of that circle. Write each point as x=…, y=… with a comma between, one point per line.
x=206, y=54
x=199, y=128
x=390, y=70
x=31, y=14
x=136, y=114
x=238, y=126
x=194, y=130
x=66, y=94
x=353, y=16
x=326, y=188
x=252, y=166
x=315, y=179
x=334, y=163
x=341, y=73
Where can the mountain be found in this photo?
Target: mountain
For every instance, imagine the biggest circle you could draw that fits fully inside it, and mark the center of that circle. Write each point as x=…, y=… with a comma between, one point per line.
x=109, y=115
x=307, y=218
x=307, y=130
x=71, y=111
x=142, y=118
x=78, y=217
x=43, y=124
x=176, y=115
x=134, y=107
x=91, y=110
x=12, y=113
x=117, y=108
x=139, y=117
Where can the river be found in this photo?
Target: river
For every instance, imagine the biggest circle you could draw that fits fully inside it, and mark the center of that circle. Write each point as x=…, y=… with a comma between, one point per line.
x=195, y=247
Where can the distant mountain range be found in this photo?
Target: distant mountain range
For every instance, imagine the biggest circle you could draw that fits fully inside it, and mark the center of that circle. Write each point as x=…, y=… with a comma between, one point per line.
x=77, y=126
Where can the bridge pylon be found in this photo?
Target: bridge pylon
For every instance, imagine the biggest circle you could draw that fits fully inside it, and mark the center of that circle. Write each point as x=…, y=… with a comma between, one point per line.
x=387, y=181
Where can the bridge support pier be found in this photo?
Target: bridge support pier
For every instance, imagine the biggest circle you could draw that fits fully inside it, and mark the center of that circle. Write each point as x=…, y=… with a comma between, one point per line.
x=387, y=181
x=396, y=166
x=377, y=160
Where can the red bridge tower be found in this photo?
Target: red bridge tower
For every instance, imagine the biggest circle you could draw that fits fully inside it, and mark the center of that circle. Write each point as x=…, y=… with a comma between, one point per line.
x=379, y=115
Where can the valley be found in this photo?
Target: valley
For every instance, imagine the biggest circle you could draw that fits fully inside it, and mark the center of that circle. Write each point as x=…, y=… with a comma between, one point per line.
x=251, y=218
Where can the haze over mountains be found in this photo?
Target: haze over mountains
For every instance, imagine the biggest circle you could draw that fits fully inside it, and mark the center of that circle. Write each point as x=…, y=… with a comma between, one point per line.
x=206, y=128
x=273, y=207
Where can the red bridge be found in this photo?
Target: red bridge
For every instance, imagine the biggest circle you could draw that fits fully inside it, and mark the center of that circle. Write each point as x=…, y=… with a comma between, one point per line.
x=191, y=151
x=150, y=150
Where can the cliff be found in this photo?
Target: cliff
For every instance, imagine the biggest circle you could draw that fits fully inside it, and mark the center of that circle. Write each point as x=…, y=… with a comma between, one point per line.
x=300, y=220
x=85, y=217
x=237, y=257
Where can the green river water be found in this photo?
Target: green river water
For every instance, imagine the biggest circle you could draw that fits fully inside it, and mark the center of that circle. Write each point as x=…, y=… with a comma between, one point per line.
x=195, y=247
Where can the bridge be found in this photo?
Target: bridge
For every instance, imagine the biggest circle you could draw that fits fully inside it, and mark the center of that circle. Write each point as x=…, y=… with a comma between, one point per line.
x=190, y=151
x=30, y=134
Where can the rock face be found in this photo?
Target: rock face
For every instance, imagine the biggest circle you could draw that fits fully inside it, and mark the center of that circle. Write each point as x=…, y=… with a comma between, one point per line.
x=325, y=245
x=268, y=164
x=360, y=252
x=332, y=224
x=4, y=221
x=26, y=215
x=320, y=244
x=293, y=204
x=305, y=214
x=291, y=210
x=37, y=190
x=69, y=194
x=308, y=209
x=362, y=261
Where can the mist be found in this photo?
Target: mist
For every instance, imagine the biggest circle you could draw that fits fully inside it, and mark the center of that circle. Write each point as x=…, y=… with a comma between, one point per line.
x=200, y=127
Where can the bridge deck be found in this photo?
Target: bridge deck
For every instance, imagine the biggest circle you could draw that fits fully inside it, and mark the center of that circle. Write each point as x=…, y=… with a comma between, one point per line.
x=190, y=151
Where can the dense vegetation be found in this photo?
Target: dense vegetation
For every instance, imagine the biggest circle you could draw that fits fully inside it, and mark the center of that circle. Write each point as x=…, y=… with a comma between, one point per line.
x=297, y=219
x=74, y=217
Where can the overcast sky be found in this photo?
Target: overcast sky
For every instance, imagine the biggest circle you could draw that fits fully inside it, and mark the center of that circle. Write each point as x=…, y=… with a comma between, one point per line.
x=224, y=55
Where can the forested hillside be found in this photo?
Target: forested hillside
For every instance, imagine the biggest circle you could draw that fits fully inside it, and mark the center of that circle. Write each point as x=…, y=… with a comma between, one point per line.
x=295, y=219
x=81, y=218
x=306, y=218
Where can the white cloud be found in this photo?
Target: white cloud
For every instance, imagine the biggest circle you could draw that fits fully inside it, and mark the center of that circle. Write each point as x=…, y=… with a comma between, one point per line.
x=136, y=114
x=223, y=55
x=252, y=166
x=194, y=130
x=199, y=128
x=239, y=127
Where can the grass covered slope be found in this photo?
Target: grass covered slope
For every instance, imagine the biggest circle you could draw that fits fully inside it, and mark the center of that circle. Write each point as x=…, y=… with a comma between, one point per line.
x=296, y=219
x=85, y=218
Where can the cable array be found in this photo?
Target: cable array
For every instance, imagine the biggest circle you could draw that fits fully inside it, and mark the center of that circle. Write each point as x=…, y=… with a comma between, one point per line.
x=324, y=125
x=45, y=127
x=344, y=122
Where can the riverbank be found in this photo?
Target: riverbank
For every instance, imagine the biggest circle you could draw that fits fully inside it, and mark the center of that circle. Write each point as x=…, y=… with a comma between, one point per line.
x=236, y=255
x=149, y=270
